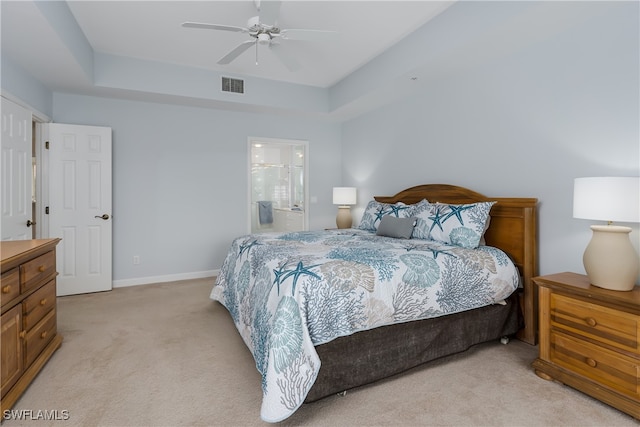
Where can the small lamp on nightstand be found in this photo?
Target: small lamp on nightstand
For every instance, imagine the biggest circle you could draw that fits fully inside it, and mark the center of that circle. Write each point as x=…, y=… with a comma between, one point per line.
x=344, y=197
x=610, y=260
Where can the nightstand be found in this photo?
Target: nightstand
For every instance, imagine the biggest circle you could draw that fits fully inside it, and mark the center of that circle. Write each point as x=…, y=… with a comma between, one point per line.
x=590, y=339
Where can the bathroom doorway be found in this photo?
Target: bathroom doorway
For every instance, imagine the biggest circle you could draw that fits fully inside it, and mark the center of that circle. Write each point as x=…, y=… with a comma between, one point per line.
x=278, y=184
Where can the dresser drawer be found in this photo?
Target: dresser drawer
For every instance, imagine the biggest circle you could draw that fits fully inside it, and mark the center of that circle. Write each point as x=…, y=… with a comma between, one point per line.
x=39, y=336
x=603, y=366
x=9, y=285
x=614, y=327
x=38, y=304
x=33, y=272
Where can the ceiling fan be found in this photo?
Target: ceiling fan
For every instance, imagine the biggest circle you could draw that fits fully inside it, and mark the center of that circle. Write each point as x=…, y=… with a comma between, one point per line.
x=264, y=30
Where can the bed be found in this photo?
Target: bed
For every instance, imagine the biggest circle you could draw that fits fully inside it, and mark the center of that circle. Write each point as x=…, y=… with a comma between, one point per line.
x=304, y=319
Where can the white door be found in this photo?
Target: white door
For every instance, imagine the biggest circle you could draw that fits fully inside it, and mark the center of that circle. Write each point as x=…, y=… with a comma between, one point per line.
x=80, y=205
x=17, y=175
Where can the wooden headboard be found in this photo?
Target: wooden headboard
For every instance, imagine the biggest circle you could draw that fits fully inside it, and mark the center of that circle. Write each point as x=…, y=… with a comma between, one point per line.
x=512, y=229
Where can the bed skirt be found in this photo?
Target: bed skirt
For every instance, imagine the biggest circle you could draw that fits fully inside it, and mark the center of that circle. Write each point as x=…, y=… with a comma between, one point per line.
x=372, y=355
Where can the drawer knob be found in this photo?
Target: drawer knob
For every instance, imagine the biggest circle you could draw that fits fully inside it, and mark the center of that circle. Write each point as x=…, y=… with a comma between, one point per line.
x=6, y=289
x=43, y=301
x=41, y=269
x=23, y=334
x=591, y=321
x=591, y=362
x=43, y=335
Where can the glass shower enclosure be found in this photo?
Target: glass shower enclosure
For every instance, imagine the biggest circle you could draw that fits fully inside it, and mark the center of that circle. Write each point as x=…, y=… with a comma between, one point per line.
x=277, y=186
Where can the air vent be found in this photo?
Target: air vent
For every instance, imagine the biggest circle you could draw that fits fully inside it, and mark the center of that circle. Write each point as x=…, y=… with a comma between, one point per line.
x=232, y=85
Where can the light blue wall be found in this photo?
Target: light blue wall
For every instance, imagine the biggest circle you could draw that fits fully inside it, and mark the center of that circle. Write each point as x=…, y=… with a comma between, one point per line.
x=180, y=178
x=505, y=119
x=16, y=82
x=524, y=124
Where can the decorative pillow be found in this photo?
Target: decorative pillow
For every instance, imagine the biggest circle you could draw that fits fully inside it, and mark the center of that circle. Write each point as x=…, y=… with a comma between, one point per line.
x=399, y=228
x=374, y=212
x=421, y=210
x=460, y=225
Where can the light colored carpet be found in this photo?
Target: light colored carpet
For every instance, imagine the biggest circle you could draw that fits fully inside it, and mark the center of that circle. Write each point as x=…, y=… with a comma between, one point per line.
x=167, y=355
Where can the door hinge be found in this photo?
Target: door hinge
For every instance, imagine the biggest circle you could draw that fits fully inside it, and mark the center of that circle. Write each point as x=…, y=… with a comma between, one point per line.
x=46, y=145
x=46, y=210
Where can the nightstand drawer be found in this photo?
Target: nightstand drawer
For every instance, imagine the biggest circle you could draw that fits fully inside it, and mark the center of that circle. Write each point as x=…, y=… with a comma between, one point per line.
x=605, y=367
x=33, y=272
x=600, y=323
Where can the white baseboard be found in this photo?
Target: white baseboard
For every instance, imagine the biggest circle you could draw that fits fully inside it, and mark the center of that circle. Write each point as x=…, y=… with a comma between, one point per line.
x=162, y=279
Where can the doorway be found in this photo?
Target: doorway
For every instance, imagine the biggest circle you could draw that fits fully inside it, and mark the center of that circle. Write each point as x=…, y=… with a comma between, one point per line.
x=278, y=185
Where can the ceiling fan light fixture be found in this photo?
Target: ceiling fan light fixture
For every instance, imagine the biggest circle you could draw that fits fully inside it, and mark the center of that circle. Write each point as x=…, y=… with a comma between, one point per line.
x=263, y=30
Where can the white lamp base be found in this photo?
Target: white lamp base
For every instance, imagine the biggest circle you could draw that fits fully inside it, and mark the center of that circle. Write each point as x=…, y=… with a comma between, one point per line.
x=610, y=260
x=343, y=220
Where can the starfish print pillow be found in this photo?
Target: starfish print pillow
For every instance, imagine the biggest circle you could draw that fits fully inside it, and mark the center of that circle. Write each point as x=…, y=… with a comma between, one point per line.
x=374, y=212
x=460, y=225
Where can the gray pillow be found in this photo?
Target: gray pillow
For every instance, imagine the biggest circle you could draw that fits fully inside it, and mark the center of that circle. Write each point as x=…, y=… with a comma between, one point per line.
x=400, y=228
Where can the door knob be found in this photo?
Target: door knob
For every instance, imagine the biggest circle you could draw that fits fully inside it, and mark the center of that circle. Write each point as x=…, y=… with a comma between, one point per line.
x=30, y=223
x=105, y=217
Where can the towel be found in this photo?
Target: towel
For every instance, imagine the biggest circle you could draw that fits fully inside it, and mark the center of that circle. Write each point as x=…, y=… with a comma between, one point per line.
x=265, y=212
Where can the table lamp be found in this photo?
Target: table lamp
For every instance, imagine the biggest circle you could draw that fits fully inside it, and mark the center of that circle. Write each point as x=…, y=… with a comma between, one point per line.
x=610, y=259
x=344, y=197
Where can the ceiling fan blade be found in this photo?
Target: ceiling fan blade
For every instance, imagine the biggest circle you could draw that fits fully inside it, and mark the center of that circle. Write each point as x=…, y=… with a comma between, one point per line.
x=268, y=11
x=309, y=35
x=214, y=27
x=285, y=56
x=236, y=52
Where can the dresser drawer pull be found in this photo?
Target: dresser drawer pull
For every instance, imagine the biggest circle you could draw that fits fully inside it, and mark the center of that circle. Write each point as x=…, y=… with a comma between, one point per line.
x=43, y=301
x=23, y=334
x=6, y=289
x=591, y=362
x=43, y=335
x=591, y=321
x=41, y=269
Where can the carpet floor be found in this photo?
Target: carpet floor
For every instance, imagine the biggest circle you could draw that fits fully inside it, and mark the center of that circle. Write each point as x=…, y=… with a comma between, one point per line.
x=166, y=355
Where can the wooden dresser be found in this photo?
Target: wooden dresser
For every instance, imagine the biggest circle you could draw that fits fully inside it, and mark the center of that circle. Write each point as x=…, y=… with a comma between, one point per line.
x=28, y=308
x=590, y=339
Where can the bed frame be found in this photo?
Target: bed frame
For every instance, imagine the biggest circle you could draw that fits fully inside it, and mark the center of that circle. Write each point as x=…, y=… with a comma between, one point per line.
x=512, y=229
x=371, y=355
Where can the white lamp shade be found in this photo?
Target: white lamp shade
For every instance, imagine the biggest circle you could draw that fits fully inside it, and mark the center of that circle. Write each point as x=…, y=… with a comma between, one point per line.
x=344, y=196
x=607, y=198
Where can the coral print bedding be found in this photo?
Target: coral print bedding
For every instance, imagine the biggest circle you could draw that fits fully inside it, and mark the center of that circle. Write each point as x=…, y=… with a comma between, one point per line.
x=289, y=292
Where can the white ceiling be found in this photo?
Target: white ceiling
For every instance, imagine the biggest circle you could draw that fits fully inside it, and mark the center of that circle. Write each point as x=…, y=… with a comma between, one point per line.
x=151, y=30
